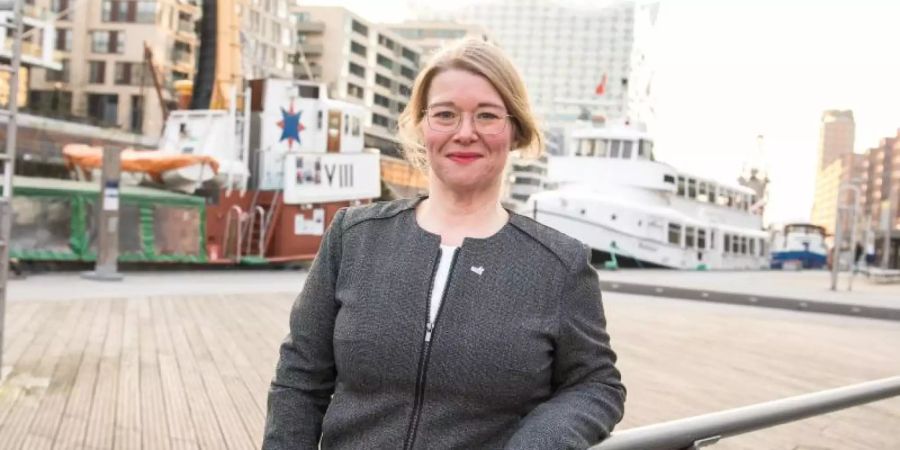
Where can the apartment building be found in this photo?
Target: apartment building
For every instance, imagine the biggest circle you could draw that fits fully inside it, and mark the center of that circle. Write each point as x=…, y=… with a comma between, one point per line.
x=432, y=35
x=267, y=38
x=360, y=61
x=104, y=78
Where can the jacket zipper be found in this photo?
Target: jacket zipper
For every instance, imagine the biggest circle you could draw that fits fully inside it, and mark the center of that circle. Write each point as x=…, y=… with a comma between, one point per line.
x=425, y=352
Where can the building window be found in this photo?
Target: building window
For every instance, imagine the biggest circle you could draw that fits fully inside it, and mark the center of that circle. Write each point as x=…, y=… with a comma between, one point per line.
x=360, y=28
x=123, y=73
x=137, y=113
x=107, y=41
x=383, y=101
x=378, y=119
x=181, y=53
x=58, y=6
x=405, y=90
x=357, y=70
x=357, y=48
x=408, y=73
x=701, y=239
x=385, y=41
x=185, y=23
x=411, y=56
x=140, y=11
x=55, y=103
x=96, y=72
x=382, y=80
x=58, y=75
x=63, y=39
x=400, y=107
x=385, y=62
x=104, y=108
x=355, y=91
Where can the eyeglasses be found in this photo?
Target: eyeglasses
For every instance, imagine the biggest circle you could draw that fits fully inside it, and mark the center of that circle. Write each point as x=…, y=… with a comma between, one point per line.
x=448, y=120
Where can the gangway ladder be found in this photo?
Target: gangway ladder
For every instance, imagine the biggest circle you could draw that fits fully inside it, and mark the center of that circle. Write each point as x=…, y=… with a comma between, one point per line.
x=8, y=160
x=257, y=237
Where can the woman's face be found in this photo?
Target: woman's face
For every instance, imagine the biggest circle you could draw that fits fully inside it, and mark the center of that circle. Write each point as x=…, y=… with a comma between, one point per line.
x=467, y=159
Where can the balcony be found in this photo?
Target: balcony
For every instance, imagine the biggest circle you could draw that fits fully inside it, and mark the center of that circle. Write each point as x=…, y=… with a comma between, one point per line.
x=36, y=51
x=312, y=49
x=310, y=27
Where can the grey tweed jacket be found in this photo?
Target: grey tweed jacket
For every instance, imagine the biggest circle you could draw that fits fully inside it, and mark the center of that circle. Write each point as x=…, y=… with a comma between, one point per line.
x=518, y=357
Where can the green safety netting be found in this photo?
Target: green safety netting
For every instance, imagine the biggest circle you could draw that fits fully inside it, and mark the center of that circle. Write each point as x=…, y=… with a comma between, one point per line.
x=55, y=220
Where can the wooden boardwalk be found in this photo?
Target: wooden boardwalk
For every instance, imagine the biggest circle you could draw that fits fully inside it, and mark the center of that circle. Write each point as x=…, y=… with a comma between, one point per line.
x=192, y=372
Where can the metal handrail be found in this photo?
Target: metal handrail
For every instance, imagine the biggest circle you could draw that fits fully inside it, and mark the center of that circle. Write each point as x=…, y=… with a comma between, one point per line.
x=261, y=212
x=707, y=429
x=238, y=219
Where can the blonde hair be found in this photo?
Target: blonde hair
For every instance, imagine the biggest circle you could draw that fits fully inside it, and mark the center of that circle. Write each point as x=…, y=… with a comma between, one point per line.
x=483, y=59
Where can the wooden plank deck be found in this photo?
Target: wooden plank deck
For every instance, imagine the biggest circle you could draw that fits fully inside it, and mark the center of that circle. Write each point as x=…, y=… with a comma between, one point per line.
x=191, y=372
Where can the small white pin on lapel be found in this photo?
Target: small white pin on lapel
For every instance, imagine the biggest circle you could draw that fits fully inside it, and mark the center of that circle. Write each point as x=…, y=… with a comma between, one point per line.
x=479, y=270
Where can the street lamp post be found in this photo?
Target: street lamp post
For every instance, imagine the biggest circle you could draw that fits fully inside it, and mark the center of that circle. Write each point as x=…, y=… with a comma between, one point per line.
x=838, y=232
x=9, y=159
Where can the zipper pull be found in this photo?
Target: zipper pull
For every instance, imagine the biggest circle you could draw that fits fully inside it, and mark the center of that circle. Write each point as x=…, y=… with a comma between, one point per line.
x=429, y=328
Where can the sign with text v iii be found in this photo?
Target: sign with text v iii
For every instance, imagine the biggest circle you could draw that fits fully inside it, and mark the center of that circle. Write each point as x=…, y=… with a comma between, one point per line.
x=331, y=177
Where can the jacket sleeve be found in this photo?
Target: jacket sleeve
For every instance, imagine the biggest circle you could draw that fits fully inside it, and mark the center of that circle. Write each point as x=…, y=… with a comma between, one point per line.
x=305, y=374
x=589, y=397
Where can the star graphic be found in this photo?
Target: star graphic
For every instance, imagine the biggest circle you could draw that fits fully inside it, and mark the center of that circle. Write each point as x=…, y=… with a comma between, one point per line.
x=290, y=126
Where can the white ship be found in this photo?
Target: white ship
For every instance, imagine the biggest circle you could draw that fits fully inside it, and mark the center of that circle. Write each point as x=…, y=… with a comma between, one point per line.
x=799, y=245
x=632, y=210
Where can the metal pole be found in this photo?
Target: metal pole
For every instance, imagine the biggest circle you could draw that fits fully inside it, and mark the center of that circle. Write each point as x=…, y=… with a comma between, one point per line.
x=886, y=245
x=9, y=166
x=836, y=248
x=108, y=219
x=853, y=221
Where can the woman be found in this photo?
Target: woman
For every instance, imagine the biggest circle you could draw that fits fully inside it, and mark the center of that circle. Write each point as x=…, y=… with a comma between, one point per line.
x=449, y=322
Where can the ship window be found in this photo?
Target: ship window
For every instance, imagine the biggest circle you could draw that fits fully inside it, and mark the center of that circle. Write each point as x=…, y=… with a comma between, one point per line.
x=692, y=188
x=626, y=149
x=602, y=145
x=712, y=239
x=701, y=191
x=681, y=186
x=668, y=179
x=586, y=148
x=355, y=128
x=752, y=244
x=722, y=198
x=674, y=234
x=743, y=245
x=645, y=149
x=727, y=246
x=701, y=239
x=711, y=196
x=614, y=149
x=762, y=247
x=689, y=237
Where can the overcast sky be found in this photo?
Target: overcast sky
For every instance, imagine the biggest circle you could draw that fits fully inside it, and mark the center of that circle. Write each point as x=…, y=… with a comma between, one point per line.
x=729, y=70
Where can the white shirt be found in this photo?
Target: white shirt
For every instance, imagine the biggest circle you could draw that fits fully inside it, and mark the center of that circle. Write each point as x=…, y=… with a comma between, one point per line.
x=440, y=283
